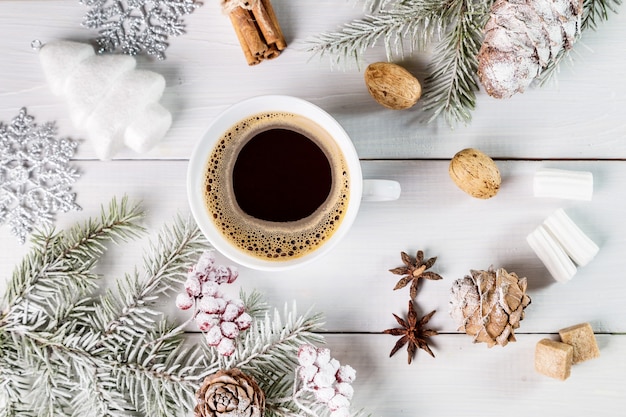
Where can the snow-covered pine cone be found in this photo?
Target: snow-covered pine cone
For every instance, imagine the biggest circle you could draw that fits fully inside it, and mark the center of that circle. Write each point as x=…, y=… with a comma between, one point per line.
x=489, y=305
x=521, y=38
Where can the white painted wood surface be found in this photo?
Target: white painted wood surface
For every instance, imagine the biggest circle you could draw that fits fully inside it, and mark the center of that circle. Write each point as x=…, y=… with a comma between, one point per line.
x=577, y=124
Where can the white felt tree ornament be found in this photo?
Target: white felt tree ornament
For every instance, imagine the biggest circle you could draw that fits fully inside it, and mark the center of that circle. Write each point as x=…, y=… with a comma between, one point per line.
x=111, y=101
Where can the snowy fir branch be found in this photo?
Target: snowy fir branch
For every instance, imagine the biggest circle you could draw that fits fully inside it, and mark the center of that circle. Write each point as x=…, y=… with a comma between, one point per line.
x=453, y=29
x=268, y=354
x=408, y=26
x=70, y=348
x=68, y=351
x=450, y=88
x=597, y=11
x=594, y=13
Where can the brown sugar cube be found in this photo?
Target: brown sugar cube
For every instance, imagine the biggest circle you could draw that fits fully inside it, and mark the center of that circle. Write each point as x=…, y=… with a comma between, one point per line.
x=582, y=339
x=553, y=359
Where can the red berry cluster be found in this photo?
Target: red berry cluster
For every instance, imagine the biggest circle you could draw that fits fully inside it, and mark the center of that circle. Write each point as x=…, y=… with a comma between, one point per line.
x=218, y=317
x=330, y=382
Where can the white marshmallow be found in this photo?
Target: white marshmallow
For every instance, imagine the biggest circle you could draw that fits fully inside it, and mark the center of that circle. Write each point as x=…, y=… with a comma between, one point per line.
x=574, y=241
x=551, y=254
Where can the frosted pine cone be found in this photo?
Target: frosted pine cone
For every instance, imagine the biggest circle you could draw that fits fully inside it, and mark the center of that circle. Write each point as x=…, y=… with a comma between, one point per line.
x=489, y=305
x=229, y=393
x=521, y=38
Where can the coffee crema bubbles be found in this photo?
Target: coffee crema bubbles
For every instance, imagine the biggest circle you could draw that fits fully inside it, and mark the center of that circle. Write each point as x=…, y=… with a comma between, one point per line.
x=281, y=169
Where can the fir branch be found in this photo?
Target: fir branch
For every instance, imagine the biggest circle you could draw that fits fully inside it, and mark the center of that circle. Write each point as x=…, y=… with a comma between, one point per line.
x=455, y=28
x=597, y=11
x=13, y=382
x=256, y=306
x=128, y=311
x=60, y=263
x=268, y=353
x=373, y=6
x=162, y=380
x=594, y=12
x=70, y=366
x=450, y=89
x=419, y=21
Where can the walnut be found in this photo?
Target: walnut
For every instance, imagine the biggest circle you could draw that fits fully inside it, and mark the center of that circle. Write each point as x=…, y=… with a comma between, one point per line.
x=475, y=173
x=392, y=86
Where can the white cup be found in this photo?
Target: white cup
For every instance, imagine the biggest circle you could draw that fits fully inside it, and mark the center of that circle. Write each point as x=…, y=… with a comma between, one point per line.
x=368, y=190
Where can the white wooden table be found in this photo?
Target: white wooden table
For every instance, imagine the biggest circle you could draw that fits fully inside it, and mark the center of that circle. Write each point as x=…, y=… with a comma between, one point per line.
x=577, y=124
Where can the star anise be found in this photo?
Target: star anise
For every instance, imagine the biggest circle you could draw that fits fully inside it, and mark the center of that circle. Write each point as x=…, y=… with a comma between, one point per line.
x=413, y=270
x=413, y=333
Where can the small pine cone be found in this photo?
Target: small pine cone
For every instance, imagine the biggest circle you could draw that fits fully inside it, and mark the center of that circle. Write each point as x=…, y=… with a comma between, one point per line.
x=521, y=38
x=229, y=393
x=489, y=305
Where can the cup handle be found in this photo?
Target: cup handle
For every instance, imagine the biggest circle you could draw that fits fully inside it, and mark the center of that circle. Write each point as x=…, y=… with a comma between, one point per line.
x=380, y=190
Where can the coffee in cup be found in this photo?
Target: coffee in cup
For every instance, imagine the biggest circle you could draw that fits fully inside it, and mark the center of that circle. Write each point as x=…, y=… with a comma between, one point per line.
x=276, y=185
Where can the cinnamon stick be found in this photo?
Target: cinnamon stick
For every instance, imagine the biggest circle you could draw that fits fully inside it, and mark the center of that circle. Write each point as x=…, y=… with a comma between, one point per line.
x=258, y=31
x=253, y=46
x=272, y=52
x=268, y=24
x=251, y=59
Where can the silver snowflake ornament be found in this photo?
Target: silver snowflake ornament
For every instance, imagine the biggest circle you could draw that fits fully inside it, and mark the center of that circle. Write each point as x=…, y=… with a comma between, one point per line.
x=35, y=174
x=137, y=26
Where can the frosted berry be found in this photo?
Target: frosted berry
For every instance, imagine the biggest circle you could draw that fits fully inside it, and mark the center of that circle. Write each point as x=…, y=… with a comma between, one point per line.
x=184, y=301
x=192, y=286
x=214, y=336
x=337, y=402
x=244, y=321
x=212, y=305
x=231, y=312
x=346, y=374
x=229, y=329
x=226, y=347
